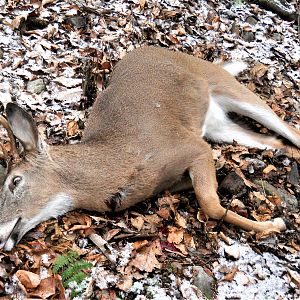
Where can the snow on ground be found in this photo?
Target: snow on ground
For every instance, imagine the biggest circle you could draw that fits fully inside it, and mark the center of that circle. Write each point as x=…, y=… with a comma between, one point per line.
x=259, y=276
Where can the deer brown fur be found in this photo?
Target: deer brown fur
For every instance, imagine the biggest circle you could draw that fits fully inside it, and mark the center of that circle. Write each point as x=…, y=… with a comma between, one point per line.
x=145, y=132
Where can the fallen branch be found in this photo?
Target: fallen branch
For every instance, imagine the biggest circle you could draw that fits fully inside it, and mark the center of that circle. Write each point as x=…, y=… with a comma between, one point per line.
x=102, y=245
x=281, y=7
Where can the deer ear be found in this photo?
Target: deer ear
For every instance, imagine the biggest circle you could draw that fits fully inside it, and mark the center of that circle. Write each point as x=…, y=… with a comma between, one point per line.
x=23, y=127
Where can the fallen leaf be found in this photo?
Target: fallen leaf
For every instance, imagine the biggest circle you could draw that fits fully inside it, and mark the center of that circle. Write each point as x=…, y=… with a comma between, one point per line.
x=68, y=82
x=72, y=128
x=146, y=260
x=175, y=235
x=295, y=277
x=164, y=213
x=142, y=3
x=269, y=168
x=126, y=283
x=139, y=244
x=45, y=289
x=182, y=248
x=231, y=274
x=110, y=234
x=189, y=241
x=180, y=220
x=28, y=279
x=137, y=222
x=152, y=219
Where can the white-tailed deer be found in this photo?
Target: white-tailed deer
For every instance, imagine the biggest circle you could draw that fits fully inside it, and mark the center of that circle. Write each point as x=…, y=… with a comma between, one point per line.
x=144, y=133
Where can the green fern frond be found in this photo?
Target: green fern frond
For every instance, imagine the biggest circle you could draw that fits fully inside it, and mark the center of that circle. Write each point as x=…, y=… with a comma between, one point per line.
x=60, y=263
x=64, y=260
x=74, y=268
x=78, y=278
x=72, y=256
x=71, y=269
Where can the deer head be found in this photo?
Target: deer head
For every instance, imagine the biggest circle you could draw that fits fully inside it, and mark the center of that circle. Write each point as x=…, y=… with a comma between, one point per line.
x=23, y=204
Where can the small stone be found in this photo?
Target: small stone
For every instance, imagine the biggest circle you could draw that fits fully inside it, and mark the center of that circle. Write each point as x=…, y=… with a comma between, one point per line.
x=77, y=21
x=36, y=86
x=248, y=36
x=251, y=20
x=290, y=201
x=293, y=175
x=232, y=183
x=203, y=281
x=232, y=252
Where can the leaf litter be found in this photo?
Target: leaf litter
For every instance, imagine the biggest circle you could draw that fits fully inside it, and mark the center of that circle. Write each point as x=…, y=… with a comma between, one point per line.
x=54, y=55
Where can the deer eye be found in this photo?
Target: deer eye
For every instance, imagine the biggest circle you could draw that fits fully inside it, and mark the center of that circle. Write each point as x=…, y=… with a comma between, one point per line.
x=14, y=183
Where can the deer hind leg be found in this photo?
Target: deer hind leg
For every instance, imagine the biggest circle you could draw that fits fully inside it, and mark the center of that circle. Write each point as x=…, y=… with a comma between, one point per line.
x=202, y=173
x=219, y=128
x=252, y=106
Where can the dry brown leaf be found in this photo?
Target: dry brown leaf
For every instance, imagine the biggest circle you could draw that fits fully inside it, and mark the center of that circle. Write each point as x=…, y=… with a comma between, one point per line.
x=110, y=234
x=246, y=181
x=294, y=245
x=259, y=196
x=269, y=168
x=142, y=3
x=295, y=277
x=169, y=200
x=231, y=274
x=137, y=222
x=45, y=289
x=146, y=260
x=175, y=235
x=152, y=219
x=276, y=200
x=139, y=244
x=180, y=220
x=182, y=248
x=126, y=283
x=259, y=70
x=164, y=213
x=260, y=217
x=28, y=279
x=189, y=241
x=72, y=128
x=266, y=233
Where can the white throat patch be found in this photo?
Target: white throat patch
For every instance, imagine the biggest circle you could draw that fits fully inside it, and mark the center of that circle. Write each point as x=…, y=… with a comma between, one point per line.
x=56, y=206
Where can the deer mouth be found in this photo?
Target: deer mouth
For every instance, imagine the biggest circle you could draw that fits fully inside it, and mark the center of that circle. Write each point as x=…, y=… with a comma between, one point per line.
x=12, y=238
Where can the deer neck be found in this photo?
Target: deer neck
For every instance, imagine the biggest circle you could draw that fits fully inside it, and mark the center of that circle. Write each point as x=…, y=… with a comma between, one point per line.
x=92, y=174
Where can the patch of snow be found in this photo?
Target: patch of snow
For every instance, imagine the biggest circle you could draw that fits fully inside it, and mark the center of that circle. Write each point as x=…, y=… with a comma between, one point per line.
x=152, y=287
x=43, y=272
x=259, y=276
x=103, y=278
x=125, y=255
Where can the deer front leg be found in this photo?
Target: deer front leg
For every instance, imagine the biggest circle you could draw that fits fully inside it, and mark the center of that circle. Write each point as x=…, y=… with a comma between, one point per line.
x=202, y=173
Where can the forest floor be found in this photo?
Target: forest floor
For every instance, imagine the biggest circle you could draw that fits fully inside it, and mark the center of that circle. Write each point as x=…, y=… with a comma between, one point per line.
x=55, y=55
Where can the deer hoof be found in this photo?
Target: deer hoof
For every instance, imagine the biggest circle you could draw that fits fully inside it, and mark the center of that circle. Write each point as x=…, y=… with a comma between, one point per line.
x=279, y=224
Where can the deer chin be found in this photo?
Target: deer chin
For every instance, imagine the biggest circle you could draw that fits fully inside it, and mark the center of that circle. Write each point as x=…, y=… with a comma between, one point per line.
x=9, y=234
x=12, y=232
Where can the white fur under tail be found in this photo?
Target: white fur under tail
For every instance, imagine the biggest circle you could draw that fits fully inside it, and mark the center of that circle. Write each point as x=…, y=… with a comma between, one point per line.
x=234, y=67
